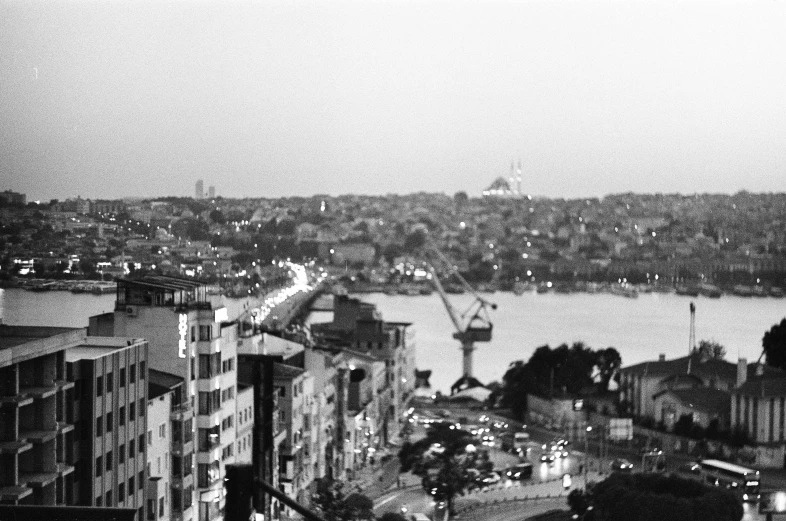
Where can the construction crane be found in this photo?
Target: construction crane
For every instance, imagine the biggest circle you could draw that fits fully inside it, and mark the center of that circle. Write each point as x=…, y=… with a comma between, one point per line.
x=471, y=326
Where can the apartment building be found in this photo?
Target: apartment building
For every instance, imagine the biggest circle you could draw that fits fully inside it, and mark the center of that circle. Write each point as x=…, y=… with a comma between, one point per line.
x=108, y=406
x=170, y=452
x=293, y=385
x=258, y=353
x=189, y=337
x=34, y=432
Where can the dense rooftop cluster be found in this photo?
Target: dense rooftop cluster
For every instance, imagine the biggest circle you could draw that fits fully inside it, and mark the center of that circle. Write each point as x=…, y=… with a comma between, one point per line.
x=657, y=239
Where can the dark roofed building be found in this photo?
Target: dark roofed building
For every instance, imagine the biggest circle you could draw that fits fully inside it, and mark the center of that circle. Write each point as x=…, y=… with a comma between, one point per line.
x=702, y=404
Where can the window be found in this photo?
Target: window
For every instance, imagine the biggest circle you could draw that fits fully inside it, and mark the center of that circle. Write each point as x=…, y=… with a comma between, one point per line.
x=142, y=373
x=281, y=416
x=193, y=369
x=99, y=426
x=99, y=466
x=121, y=416
x=109, y=421
x=131, y=411
x=122, y=382
x=151, y=509
x=142, y=442
x=131, y=485
x=209, y=402
x=100, y=501
x=160, y=507
x=121, y=492
x=150, y=437
x=121, y=454
x=141, y=479
x=208, y=365
x=109, y=499
x=131, y=449
x=141, y=407
x=162, y=430
x=193, y=333
x=132, y=374
x=282, y=391
x=109, y=461
x=99, y=386
x=110, y=382
x=205, y=332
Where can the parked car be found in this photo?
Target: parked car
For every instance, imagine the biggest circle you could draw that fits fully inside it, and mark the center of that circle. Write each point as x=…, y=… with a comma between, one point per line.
x=621, y=465
x=490, y=478
x=519, y=472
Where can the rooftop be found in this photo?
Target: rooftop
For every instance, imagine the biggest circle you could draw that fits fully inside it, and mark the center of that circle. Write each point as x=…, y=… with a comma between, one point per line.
x=94, y=347
x=11, y=336
x=163, y=282
x=703, y=399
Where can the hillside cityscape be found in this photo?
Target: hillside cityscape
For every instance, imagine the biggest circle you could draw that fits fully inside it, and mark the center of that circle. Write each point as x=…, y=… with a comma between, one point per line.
x=691, y=243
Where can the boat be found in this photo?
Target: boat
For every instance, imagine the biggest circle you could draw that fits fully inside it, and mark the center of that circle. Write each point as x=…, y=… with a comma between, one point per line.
x=688, y=291
x=624, y=290
x=519, y=288
x=742, y=290
x=710, y=290
x=759, y=291
x=776, y=292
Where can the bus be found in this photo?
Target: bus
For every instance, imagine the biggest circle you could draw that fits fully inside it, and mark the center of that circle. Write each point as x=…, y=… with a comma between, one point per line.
x=744, y=481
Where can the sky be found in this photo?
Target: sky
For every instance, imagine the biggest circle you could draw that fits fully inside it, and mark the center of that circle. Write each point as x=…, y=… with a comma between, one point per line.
x=281, y=98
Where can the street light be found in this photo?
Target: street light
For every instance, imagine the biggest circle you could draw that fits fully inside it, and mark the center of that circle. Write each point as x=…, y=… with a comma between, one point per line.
x=586, y=454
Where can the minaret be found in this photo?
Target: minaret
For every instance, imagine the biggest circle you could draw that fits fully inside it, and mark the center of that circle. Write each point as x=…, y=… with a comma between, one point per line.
x=518, y=180
x=512, y=178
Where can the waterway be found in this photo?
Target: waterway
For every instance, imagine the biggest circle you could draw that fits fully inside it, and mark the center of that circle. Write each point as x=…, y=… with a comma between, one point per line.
x=640, y=329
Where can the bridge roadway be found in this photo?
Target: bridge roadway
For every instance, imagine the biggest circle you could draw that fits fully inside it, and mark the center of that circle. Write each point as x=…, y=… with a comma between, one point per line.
x=283, y=309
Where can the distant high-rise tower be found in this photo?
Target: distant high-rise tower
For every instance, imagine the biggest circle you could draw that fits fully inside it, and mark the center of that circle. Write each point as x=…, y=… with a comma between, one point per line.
x=199, y=190
x=211, y=192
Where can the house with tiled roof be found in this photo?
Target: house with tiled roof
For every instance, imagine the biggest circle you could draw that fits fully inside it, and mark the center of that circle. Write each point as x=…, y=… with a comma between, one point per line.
x=641, y=382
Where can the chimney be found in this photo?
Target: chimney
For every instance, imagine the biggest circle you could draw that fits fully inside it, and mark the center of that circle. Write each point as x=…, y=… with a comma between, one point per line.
x=742, y=371
x=662, y=357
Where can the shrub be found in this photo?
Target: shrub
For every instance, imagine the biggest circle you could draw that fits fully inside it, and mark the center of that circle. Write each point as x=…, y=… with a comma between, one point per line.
x=653, y=497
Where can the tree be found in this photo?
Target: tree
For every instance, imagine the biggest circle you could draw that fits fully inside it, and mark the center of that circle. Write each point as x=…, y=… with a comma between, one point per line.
x=711, y=350
x=608, y=362
x=335, y=506
x=441, y=460
x=774, y=344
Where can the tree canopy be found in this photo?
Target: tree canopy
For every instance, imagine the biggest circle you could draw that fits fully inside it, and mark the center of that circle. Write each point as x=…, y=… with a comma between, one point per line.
x=559, y=371
x=711, y=350
x=654, y=497
x=774, y=345
x=441, y=460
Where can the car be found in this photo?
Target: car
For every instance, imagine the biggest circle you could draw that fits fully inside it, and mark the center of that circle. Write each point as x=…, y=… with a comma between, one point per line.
x=419, y=516
x=547, y=457
x=621, y=465
x=519, y=472
x=489, y=478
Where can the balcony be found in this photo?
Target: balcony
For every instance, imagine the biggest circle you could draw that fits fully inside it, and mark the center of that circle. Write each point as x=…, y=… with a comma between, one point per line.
x=38, y=436
x=181, y=412
x=14, y=447
x=181, y=449
x=37, y=479
x=14, y=494
x=43, y=391
x=20, y=400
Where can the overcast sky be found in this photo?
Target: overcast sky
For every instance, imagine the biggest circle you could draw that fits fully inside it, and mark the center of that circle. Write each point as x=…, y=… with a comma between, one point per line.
x=112, y=99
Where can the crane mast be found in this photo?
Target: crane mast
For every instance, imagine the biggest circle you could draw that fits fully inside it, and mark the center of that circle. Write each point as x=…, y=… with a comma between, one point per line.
x=477, y=328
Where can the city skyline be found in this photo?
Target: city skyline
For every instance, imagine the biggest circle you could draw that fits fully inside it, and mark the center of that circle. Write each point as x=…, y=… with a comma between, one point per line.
x=142, y=99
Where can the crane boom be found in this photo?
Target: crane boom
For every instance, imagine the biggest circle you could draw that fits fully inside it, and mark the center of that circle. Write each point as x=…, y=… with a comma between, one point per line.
x=451, y=311
x=471, y=332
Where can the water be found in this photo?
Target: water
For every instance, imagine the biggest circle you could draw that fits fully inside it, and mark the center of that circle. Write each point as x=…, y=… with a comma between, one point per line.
x=639, y=329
